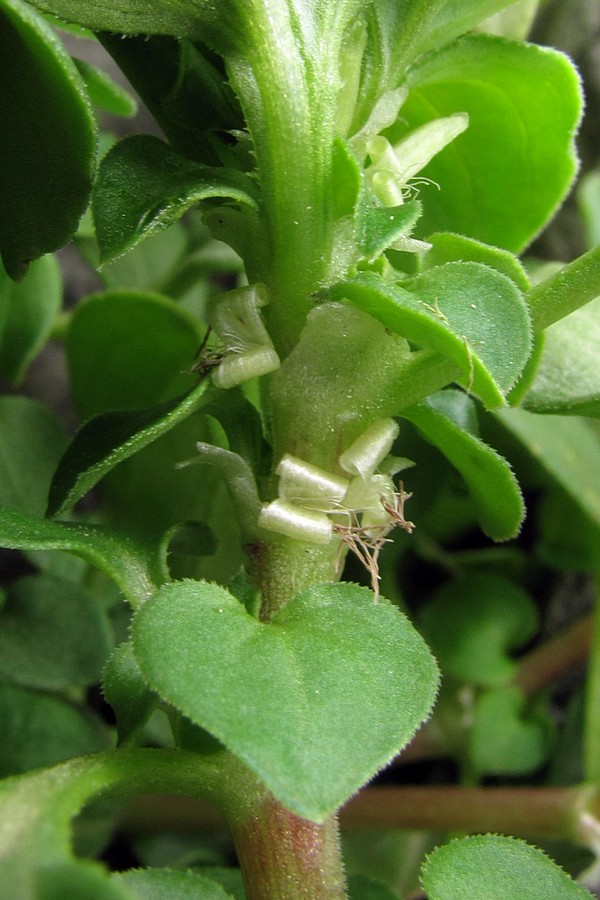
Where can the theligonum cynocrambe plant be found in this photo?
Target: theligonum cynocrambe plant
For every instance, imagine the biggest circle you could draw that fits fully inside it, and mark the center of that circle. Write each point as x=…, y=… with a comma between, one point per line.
x=376, y=166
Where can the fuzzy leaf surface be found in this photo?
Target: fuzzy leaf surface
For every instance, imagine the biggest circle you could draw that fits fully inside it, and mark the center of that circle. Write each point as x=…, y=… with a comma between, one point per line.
x=354, y=681
x=499, y=867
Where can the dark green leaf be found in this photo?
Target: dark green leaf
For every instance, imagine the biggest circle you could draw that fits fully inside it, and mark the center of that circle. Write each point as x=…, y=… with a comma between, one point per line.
x=40, y=730
x=354, y=682
x=111, y=438
x=472, y=314
x=31, y=443
x=170, y=884
x=500, y=867
x=134, y=567
x=492, y=485
x=31, y=308
x=567, y=381
x=490, y=616
x=40, y=606
x=143, y=187
x=362, y=888
x=78, y=879
x=504, y=177
x=48, y=142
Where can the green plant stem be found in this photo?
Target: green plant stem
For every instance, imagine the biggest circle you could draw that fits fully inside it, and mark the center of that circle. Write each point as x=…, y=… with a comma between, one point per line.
x=591, y=745
x=284, y=857
x=575, y=285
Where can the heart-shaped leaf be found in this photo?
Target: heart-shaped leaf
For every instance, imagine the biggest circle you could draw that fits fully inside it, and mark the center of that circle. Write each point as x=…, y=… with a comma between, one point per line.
x=315, y=702
x=500, y=867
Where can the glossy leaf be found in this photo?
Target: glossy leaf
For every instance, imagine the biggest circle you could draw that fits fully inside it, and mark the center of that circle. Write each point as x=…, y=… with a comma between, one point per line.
x=490, y=616
x=31, y=443
x=132, y=566
x=465, y=311
x=30, y=309
x=109, y=439
x=498, y=867
x=143, y=187
x=48, y=145
x=492, y=485
x=354, y=682
x=170, y=884
x=39, y=606
x=493, y=185
x=567, y=381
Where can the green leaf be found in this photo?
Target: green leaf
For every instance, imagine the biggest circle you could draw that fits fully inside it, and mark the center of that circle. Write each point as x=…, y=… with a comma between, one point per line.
x=505, y=176
x=48, y=146
x=143, y=187
x=354, y=681
x=39, y=606
x=565, y=291
x=378, y=227
x=170, y=884
x=567, y=380
x=490, y=616
x=31, y=443
x=362, y=888
x=446, y=247
x=40, y=730
x=471, y=314
x=31, y=308
x=567, y=449
x=104, y=92
x=505, y=739
x=485, y=866
x=78, y=879
x=492, y=485
x=126, y=690
x=141, y=343
x=109, y=439
x=135, y=568
x=179, y=18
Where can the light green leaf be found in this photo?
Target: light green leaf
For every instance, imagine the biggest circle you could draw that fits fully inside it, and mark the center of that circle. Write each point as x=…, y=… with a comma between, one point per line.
x=485, y=866
x=354, y=683
x=446, y=247
x=125, y=689
x=378, y=227
x=506, y=738
x=567, y=449
x=170, y=884
x=48, y=142
x=30, y=308
x=505, y=176
x=38, y=606
x=492, y=485
x=143, y=187
x=567, y=381
x=490, y=616
x=472, y=314
x=109, y=439
x=135, y=568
